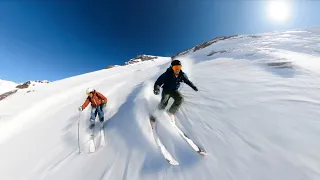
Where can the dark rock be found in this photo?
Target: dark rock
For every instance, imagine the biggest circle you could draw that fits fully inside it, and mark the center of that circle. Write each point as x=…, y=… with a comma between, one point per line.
x=206, y=44
x=203, y=45
x=140, y=58
x=5, y=95
x=215, y=52
x=27, y=84
x=255, y=36
x=111, y=66
x=281, y=64
x=24, y=85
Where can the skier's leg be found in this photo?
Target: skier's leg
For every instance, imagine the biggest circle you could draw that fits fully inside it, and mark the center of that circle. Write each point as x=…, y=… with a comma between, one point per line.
x=164, y=100
x=163, y=103
x=178, y=99
x=93, y=116
x=100, y=113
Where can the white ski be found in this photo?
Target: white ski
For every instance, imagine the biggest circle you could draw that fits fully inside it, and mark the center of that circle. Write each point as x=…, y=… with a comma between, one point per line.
x=92, y=147
x=102, y=140
x=163, y=150
x=189, y=141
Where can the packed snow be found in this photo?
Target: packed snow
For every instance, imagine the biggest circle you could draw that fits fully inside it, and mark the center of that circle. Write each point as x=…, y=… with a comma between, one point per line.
x=256, y=114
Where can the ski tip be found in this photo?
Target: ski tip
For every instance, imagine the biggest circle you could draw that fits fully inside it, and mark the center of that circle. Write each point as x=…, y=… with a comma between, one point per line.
x=174, y=163
x=202, y=153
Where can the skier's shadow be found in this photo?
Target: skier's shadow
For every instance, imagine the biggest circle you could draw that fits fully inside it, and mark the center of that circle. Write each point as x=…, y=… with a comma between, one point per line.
x=70, y=130
x=129, y=129
x=129, y=125
x=71, y=138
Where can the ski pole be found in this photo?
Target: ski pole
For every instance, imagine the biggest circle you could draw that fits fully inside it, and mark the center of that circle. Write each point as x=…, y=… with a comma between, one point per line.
x=79, y=132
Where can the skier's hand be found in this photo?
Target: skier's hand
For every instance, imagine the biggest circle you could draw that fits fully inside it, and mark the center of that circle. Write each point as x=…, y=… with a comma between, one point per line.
x=104, y=104
x=80, y=108
x=156, y=91
x=195, y=88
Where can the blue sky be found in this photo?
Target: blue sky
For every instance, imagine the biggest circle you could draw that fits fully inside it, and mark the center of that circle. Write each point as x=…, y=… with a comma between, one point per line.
x=53, y=40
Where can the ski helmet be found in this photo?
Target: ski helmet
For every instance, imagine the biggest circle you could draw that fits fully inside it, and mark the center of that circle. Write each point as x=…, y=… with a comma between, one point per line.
x=89, y=90
x=175, y=62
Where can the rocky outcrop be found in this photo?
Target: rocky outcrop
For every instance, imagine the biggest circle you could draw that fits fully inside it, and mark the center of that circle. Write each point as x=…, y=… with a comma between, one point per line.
x=5, y=95
x=181, y=53
x=23, y=86
x=281, y=65
x=216, y=52
x=141, y=58
x=204, y=45
x=254, y=36
x=111, y=66
x=6, y=86
x=31, y=83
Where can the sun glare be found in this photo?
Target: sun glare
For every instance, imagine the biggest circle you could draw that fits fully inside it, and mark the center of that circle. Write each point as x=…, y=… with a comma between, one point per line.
x=278, y=10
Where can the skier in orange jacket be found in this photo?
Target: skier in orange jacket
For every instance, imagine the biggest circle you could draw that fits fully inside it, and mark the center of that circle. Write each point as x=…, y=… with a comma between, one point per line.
x=98, y=102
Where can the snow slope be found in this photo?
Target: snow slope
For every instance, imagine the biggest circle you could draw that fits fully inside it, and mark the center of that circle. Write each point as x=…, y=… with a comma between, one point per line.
x=256, y=114
x=6, y=86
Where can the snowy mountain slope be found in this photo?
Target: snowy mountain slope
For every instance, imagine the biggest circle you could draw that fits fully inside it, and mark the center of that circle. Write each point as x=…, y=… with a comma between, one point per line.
x=6, y=86
x=256, y=114
x=9, y=88
x=281, y=47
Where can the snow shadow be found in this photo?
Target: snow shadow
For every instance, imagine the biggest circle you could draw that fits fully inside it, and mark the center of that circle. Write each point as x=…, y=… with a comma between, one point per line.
x=278, y=66
x=265, y=58
x=154, y=160
x=71, y=129
x=127, y=126
x=283, y=69
x=70, y=136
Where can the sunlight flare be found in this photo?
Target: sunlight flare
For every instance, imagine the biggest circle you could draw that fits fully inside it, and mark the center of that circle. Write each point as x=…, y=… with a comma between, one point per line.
x=278, y=10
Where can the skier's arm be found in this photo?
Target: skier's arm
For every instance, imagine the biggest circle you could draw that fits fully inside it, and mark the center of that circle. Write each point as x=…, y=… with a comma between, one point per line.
x=85, y=104
x=159, y=82
x=187, y=81
x=103, y=97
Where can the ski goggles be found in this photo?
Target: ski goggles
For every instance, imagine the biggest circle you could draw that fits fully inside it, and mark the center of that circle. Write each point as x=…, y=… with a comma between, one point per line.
x=176, y=67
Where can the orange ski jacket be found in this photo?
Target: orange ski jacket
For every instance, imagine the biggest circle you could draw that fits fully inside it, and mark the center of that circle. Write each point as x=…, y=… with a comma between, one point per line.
x=96, y=100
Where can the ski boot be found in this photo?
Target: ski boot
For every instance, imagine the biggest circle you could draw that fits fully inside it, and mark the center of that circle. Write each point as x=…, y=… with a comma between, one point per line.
x=92, y=123
x=152, y=121
x=101, y=120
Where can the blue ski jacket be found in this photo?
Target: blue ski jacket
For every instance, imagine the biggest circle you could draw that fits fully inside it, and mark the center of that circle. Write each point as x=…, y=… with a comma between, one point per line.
x=172, y=83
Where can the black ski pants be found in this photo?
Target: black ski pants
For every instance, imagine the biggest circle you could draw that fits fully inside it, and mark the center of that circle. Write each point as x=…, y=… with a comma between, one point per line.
x=175, y=95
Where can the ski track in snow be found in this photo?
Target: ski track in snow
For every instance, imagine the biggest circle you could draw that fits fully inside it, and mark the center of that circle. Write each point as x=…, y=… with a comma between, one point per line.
x=255, y=120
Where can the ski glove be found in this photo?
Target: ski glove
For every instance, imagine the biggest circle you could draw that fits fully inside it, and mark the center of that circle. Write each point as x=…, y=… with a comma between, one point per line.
x=80, y=108
x=156, y=91
x=104, y=105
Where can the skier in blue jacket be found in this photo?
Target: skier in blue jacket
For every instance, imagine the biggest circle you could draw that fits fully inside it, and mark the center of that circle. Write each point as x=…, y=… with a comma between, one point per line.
x=170, y=82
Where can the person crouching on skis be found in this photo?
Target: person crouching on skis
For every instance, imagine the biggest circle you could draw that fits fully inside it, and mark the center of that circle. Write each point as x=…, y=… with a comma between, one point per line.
x=98, y=102
x=171, y=80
